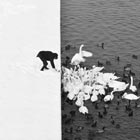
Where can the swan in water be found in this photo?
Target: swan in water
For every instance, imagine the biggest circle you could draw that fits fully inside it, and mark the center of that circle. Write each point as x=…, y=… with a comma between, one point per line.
x=109, y=97
x=73, y=91
x=78, y=57
x=101, y=91
x=117, y=85
x=109, y=76
x=132, y=87
x=80, y=99
x=130, y=96
x=104, y=78
x=79, y=102
x=97, y=69
x=94, y=96
x=83, y=109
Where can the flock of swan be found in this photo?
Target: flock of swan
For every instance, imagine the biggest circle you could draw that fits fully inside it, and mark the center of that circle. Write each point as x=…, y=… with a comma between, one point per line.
x=82, y=84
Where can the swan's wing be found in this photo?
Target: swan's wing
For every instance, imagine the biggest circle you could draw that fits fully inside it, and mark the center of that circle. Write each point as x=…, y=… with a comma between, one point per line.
x=86, y=54
x=97, y=69
x=77, y=59
x=73, y=58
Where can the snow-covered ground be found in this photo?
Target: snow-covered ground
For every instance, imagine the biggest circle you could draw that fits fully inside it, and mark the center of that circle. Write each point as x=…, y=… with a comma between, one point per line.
x=29, y=98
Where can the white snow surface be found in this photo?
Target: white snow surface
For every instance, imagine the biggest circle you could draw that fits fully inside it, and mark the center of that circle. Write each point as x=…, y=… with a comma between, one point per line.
x=29, y=98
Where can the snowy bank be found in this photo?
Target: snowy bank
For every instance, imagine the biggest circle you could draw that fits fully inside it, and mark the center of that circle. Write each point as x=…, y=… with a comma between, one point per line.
x=29, y=98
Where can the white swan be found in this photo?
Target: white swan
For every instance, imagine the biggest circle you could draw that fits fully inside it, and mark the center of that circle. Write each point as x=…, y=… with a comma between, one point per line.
x=80, y=98
x=78, y=57
x=83, y=109
x=97, y=69
x=94, y=96
x=102, y=91
x=130, y=96
x=132, y=87
x=79, y=102
x=109, y=97
x=86, y=96
x=107, y=77
x=118, y=86
x=73, y=93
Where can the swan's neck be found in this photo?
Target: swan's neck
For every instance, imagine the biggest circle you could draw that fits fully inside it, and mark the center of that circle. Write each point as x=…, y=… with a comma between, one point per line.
x=80, y=50
x=131, y=81
x=112, y=93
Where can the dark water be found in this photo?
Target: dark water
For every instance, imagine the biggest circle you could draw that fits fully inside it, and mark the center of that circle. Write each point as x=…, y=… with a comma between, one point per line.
x=117, y=24
x=114, y=22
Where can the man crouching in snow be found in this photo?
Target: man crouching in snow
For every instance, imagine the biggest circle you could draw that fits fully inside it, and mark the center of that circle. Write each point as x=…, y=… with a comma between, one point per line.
x=47, y=56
